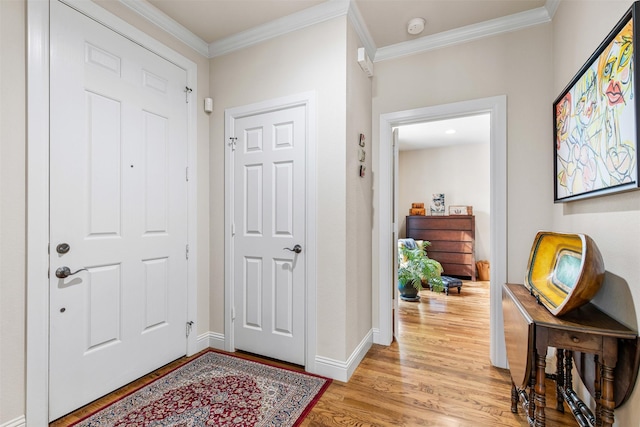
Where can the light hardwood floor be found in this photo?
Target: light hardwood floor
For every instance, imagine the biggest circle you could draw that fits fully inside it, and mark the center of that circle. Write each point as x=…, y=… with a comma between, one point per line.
x=436, y=374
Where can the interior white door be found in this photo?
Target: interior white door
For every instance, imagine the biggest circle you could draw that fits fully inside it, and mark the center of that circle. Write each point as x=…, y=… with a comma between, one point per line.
x=118, y=211
x=394, y=242
x=269, y=221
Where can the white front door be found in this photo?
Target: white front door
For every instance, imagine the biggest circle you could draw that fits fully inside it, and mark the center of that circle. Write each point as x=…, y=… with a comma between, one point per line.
x=118, y=211
x=269, y=241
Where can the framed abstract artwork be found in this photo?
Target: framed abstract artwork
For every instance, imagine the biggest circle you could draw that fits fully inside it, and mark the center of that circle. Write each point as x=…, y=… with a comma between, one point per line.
x=596, y=120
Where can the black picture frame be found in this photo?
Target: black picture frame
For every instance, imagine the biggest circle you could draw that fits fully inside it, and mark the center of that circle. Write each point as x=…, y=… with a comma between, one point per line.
x=595, y=120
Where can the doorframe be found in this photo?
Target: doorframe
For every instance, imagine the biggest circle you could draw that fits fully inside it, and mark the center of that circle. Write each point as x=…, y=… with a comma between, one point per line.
x=308, y=101
x=383, y=250
x=38, y=49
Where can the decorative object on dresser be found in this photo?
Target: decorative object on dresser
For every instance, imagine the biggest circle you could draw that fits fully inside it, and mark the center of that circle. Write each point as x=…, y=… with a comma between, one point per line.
x=437, y=204
x=460, y=210
x=417, y=209
x=452, y=240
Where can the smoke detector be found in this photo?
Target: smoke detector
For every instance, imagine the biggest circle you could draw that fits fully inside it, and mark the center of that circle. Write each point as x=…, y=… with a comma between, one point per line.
x=416, y=26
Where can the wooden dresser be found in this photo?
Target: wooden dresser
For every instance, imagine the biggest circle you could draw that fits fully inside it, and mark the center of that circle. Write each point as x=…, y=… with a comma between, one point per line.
x=452, y=240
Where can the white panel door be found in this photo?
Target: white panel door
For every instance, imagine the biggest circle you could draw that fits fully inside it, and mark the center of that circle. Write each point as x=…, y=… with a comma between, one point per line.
x=269, y=217
x=118, y=210
x=395, y=296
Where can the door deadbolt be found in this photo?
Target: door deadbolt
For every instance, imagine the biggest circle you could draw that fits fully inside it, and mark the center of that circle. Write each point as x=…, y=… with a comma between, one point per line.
x=63, y=248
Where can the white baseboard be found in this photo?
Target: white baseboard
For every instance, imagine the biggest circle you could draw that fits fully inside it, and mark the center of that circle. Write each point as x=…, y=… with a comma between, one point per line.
x=376, y=336
x=335, y=369
x=17, y=422
x=342, y=371
x=210, y=339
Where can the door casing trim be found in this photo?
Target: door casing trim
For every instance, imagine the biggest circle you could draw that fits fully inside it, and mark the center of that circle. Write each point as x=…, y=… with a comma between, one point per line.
x=37, y=283
x=383, y=248
x=308, y=100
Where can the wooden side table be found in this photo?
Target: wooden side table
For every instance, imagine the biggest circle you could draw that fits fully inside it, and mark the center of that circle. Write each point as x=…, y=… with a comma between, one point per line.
x=530, y=329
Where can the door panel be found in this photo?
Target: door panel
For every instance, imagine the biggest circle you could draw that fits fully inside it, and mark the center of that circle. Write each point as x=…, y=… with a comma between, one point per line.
x=269, y=210
x=118, y=198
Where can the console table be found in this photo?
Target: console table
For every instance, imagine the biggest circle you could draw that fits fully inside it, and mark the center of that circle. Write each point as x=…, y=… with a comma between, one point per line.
x=530, y=329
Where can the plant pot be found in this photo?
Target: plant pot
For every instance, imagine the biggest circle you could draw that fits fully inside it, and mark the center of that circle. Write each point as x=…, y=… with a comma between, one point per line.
x=408, y=292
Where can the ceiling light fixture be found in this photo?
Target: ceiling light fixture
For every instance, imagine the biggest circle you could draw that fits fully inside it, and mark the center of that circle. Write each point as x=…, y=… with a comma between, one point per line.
x=450, y=131
x=416, y=26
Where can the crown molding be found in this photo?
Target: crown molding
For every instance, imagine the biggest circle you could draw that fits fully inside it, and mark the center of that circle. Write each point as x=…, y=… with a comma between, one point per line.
x=361, y=29
x=489, y=28
x=159, y=18
x=333, y=9
x=552, y=6
x=296, y=21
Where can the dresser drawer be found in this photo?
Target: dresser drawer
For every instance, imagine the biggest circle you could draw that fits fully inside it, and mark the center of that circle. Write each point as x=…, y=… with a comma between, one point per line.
x=449, y=246
x=451, y=257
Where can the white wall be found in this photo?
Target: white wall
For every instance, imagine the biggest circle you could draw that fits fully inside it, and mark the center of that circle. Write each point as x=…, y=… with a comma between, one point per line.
x=613, y=220
x=359, y=198
x=12, y=209
x=516, y=64
x=461, y=172
x=311, y=59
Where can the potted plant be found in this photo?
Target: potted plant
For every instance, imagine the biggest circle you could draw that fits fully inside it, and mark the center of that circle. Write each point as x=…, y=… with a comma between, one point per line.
x=416, y=268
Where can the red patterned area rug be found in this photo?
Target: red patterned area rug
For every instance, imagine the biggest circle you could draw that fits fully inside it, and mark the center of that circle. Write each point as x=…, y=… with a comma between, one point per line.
x=216, y=390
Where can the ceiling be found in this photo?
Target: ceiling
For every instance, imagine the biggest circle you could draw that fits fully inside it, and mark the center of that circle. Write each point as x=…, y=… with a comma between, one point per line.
x=386, y=20
x=216, y=27
x=475, y=129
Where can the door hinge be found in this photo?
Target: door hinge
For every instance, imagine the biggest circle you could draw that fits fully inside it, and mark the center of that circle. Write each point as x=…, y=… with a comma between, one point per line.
x=186, y=174
x=233, y=229
x=187, y=91
x=232, y=142
x=233, y=314
x=189, y=327
x=186, y=253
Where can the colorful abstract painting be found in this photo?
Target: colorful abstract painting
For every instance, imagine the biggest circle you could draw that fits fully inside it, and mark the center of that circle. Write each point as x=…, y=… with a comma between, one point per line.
x=595, y=122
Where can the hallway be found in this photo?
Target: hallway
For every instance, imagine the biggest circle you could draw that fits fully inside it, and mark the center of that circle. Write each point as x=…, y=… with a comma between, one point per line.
x=436, y=374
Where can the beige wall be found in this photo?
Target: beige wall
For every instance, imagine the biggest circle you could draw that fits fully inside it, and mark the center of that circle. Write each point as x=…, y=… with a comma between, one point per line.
x=520, y=65
x=12, y=209
x=311, y=59
x=613, y=220
x=461, y=172
x=516, y=64
x=359, y=199
x=13, y=194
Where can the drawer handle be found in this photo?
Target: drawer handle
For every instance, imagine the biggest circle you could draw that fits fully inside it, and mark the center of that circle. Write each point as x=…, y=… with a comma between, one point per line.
x=575, y=339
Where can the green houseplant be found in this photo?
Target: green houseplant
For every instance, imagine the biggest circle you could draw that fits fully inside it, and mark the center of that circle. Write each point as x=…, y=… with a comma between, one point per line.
x=416, y=268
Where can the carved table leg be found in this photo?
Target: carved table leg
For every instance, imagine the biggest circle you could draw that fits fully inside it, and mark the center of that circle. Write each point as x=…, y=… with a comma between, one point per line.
x=532, y=394
x=597, y=388
x=608, y=404
x=609, y=361
x=514, y=398
x=540, y=388
x=559, y=379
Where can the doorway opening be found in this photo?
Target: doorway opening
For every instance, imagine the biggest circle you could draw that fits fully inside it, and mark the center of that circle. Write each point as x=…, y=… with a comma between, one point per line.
x=443, y=165
x=386, y=229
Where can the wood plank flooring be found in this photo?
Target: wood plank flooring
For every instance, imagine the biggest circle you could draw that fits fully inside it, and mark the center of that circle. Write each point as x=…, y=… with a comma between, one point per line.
x=436, y=374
